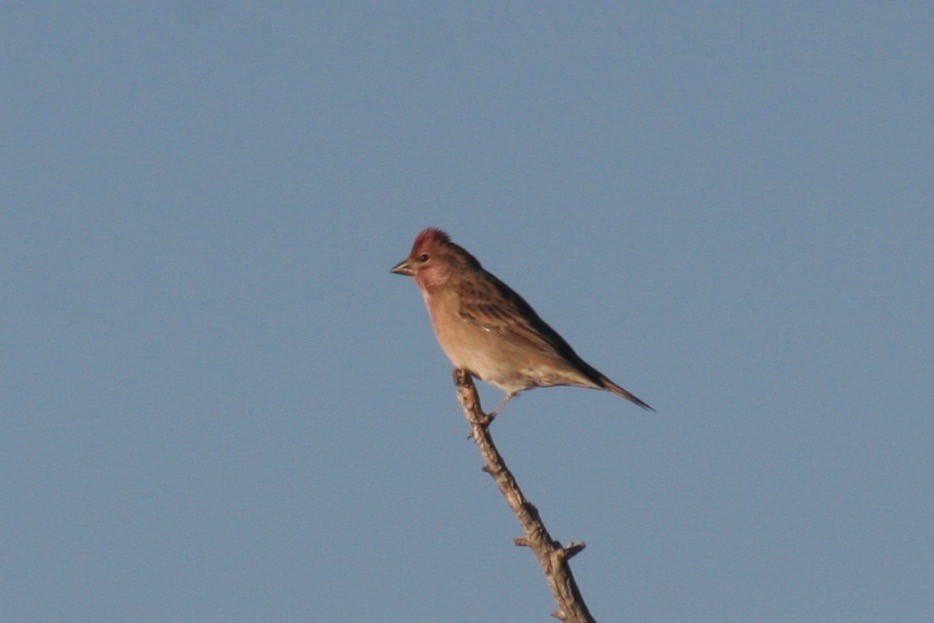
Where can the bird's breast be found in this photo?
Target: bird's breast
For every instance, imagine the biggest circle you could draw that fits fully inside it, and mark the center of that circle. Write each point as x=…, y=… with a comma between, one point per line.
x=485, y=353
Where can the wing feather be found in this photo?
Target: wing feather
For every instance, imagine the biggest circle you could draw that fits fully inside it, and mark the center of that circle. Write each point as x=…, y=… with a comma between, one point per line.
x=510, y=316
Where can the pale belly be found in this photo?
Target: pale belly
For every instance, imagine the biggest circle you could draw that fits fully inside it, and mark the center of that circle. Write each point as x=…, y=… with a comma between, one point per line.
x=495, y=360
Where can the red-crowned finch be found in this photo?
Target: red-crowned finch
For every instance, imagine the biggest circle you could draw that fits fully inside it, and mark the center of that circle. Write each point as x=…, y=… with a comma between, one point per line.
x=487, y=329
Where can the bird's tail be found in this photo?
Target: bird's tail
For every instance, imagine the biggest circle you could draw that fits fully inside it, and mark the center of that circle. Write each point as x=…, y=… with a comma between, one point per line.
x=619, y=391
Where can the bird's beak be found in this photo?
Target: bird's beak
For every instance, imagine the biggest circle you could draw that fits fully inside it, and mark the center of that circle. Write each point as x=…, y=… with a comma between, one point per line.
x=403, y=268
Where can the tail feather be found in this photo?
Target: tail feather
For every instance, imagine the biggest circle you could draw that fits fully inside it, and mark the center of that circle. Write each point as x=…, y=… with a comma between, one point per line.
x=619, y=391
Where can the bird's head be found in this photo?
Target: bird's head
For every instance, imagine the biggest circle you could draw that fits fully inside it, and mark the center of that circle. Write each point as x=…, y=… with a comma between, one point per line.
x=434, y=260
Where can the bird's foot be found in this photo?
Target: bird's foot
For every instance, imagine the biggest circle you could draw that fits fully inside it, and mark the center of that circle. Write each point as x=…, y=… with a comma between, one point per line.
x=483, y=421
x=502, y=403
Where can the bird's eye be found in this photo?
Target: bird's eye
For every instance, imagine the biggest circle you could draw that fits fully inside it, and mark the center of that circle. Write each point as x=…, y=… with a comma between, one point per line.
x=423, y=257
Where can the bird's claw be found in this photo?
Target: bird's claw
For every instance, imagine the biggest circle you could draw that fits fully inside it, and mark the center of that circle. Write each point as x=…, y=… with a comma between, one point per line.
x=483, y=422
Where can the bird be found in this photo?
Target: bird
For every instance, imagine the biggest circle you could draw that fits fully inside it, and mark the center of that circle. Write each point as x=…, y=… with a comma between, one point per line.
x=485, y=328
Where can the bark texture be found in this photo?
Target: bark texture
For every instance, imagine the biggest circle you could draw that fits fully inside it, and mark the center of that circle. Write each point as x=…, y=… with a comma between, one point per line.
x=551, y=555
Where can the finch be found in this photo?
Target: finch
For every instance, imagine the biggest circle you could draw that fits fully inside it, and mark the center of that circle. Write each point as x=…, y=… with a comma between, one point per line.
x=487, y=329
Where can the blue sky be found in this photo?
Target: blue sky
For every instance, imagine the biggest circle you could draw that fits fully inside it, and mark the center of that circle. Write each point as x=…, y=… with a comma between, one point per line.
x=216, y=404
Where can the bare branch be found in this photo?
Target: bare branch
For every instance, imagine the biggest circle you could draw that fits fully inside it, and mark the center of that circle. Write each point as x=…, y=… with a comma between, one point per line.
x=552, y=556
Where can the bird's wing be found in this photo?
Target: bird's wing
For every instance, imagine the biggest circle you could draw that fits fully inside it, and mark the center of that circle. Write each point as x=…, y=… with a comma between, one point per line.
x=493, y=306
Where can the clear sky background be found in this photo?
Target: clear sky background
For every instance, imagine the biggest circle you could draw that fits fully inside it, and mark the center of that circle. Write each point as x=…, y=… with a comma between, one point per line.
x=216, y=404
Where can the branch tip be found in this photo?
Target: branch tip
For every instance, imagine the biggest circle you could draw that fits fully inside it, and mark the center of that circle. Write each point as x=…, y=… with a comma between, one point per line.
x=572, y=550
